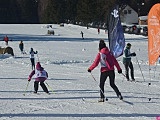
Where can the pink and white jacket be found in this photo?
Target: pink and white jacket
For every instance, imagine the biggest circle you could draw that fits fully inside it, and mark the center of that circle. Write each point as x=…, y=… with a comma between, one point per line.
x=106, y=59
x=40, y=74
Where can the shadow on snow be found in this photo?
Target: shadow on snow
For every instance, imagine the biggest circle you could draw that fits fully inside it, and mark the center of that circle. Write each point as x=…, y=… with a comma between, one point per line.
x=25, y=37
x=80, y=115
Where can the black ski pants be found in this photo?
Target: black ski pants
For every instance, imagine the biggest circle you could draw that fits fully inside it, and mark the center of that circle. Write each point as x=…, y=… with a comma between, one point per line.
x=103, y=77
x=33, y=63
x=36, y=84
x=129, y=65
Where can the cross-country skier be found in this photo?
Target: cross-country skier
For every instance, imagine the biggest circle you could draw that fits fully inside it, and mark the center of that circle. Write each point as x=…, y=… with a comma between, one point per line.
x=32, y=58
x=40, y=76
x=98, y=30
x=127, y=62
x=107, y=61
x=82, y=34
x=21, y=46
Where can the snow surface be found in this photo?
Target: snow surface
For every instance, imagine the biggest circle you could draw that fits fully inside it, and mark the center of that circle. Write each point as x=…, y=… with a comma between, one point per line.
x=66, y=57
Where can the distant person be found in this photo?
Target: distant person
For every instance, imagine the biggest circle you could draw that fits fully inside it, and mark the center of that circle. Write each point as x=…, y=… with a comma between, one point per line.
x=87, y=26
x=128, y=63
x=98, y=30
x=82, y=34
x=32, y=58
x=21, y=46
x=107, y=61
x=40, y=76
x=6, y=39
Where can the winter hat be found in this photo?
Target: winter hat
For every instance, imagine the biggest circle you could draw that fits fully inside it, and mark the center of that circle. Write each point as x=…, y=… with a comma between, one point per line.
x=38, y=66
x=101, y=44
x=129, y=44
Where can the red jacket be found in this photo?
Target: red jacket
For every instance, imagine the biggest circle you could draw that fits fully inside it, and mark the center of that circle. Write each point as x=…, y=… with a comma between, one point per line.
x=107, y=61
x=6, y=39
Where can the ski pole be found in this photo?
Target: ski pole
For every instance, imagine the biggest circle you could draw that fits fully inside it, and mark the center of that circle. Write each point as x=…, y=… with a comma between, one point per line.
x=37, y=57
x=149, y=82
x=140, y=68
x=155, y=69
x=26, y=88
x=99, y=86
x=49, y=87
x=123, y=75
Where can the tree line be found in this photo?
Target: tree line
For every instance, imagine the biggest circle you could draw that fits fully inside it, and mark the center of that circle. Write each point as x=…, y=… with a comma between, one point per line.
x=58, y=11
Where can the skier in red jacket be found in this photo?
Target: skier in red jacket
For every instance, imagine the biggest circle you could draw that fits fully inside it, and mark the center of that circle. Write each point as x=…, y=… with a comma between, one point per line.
x=107, y=61
x=6, y=39
x=40, y=76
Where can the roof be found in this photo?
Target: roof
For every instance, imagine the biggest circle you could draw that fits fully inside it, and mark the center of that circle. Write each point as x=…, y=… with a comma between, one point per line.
x=143, y=17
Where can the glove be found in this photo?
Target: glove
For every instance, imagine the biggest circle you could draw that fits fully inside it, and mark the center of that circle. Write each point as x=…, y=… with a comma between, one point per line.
x=89, y=70
x=134, y=54
x=120, y=71
x=29, y=78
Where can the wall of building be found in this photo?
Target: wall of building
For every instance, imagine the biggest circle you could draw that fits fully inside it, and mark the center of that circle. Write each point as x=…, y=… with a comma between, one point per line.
x=129, y=16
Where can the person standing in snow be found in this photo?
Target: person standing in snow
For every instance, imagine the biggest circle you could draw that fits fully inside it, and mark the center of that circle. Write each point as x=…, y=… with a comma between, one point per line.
x=98, y=30
x=107, y=61
x=6, y=39
x=82, y=34
x=40, y=76
x=127, y=62
x=21, y=46
x=32, y=58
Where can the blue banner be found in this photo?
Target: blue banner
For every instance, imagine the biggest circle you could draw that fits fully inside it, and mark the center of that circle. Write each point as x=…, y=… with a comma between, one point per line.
x=115, y=33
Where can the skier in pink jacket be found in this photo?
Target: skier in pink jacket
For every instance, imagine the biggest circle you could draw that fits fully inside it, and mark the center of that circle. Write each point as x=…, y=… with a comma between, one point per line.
x=40, y=76
x=107, y=61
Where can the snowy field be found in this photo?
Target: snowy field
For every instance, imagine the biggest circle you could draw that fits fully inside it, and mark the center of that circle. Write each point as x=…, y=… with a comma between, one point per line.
x=66, y=57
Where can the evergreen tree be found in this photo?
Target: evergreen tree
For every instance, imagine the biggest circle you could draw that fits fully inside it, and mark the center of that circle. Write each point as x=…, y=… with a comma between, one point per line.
x=83, y=12
x=71, y=10
x=28, y=11
x=8, y=10
x=57, y=11
x=50, y=13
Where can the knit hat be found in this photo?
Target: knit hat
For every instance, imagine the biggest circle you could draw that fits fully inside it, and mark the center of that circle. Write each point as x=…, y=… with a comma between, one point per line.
x=38, y=66
x=129, y=44
x=101, y=44
x=31, y=49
